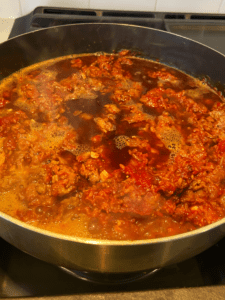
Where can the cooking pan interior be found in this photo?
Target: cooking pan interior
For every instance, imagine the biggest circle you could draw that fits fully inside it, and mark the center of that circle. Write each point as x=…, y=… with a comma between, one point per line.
x=182, y=53
x=191, y=57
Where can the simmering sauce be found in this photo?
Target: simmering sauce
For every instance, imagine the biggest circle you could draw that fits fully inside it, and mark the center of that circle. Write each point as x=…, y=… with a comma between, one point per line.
x=111, y=147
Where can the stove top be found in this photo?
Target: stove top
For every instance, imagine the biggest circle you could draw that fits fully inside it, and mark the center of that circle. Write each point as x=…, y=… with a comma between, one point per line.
x=24, y=276
x=201, y=277
x=208, y=29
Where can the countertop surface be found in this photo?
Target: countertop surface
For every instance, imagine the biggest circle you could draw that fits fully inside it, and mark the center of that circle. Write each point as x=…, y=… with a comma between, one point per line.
x=5, y=28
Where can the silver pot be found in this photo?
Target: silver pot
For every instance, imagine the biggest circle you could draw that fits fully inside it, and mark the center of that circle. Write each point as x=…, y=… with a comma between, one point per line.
x=99, y=255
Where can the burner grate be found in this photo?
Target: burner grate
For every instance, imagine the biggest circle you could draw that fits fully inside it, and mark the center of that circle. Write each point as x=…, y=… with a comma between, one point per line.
x=110, y=279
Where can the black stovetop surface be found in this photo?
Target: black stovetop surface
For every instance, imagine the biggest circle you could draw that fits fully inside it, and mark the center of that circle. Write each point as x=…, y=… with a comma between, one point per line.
x=24, y=276
x=208, y=29
x=201, y=277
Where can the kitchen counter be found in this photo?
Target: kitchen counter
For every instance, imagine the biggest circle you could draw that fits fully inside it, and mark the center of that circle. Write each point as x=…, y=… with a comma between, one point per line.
x=5, y=28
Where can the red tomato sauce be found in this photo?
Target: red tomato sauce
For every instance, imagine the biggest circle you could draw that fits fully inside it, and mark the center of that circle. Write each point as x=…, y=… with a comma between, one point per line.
x=111, y=147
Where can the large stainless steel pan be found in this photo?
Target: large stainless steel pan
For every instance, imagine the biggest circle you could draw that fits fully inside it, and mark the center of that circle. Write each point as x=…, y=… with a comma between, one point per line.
x=95, y=255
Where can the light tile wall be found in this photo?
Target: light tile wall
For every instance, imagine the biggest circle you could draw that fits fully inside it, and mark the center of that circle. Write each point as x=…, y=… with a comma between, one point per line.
x=222, y=7
x=16, y=8
x=28, y=5
x=199, y=6
x=10, y=9
x=141, y=5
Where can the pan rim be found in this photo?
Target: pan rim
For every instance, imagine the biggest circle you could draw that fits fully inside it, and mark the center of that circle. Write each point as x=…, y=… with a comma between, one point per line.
x=114, y=24
x=103, y=242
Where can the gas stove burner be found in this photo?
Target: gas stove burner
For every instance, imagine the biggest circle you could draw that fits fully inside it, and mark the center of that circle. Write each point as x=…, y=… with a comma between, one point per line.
x=110, y=279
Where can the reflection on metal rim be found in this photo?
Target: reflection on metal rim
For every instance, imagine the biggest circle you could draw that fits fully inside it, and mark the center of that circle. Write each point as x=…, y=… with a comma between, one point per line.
x=110, y=279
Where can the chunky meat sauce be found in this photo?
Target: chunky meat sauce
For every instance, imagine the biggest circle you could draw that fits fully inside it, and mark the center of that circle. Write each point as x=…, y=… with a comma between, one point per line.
x=111, y=147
